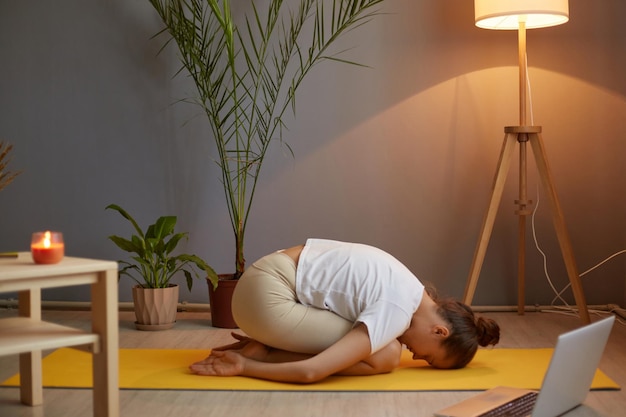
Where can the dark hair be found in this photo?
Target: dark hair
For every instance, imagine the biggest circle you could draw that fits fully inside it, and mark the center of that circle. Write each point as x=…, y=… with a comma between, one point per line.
x=467, y=331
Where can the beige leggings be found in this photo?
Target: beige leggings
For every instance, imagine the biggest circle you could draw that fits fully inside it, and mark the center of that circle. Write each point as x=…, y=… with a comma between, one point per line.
x=266, y=308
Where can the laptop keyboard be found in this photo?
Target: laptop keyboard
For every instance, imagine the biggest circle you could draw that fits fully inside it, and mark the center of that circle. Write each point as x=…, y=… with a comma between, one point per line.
x=519, y=407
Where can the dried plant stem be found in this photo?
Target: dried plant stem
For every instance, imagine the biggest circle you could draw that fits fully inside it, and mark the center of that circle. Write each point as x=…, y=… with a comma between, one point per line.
x=6, y=177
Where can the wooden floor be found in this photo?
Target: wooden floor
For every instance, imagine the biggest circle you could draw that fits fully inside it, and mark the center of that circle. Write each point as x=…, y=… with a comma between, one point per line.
x=193, y=331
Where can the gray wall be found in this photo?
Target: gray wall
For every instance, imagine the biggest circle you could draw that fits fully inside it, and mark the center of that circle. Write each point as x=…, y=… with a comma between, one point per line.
x=400, y=155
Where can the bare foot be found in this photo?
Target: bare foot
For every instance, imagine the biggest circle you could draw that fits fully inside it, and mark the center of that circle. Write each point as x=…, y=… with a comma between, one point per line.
x=246, y=347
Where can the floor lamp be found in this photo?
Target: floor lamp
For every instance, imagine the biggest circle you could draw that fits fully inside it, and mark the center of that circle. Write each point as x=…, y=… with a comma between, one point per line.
x=521, y=15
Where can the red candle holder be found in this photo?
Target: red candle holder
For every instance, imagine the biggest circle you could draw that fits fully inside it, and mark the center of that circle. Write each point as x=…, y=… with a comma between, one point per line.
x=47, y=247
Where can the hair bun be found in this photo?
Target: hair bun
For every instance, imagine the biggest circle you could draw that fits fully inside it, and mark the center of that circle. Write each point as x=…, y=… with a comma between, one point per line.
x=488, y=331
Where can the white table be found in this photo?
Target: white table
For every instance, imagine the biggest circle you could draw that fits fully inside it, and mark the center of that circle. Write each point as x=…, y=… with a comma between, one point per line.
x=27, y=335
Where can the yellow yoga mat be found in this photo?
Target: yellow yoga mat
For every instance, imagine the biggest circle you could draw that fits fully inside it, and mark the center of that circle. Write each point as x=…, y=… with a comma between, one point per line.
x=168, y=369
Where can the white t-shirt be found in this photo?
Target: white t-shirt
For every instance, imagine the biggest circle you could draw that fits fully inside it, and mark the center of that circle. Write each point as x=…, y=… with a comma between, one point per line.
x=359, y=283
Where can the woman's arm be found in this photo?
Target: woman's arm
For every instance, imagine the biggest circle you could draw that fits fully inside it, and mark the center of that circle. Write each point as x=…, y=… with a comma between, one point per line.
x=351, y=349
x=384, y=361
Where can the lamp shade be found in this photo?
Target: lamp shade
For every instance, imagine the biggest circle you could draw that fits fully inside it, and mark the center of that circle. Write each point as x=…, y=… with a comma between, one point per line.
x=507, y=14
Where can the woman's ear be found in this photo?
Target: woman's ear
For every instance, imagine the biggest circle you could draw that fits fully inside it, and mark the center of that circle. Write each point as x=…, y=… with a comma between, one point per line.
x=441, y=331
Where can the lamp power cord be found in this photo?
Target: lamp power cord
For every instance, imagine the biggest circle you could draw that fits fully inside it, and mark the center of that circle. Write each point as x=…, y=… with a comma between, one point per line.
x=566, y=308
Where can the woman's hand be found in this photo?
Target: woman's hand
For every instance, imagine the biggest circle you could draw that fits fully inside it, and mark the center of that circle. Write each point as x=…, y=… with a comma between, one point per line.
x=229, y=360
x=220, y=363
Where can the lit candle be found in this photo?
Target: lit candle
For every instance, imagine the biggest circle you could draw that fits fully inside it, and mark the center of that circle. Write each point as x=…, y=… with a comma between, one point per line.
x=47, y=247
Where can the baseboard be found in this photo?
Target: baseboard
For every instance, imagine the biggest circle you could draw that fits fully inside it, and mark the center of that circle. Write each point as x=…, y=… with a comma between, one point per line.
x=86, y=305
x=199, y=307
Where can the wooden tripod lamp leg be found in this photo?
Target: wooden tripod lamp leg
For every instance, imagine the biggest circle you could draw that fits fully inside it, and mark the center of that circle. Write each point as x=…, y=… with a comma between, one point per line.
x=510, y=140
x=545, y=174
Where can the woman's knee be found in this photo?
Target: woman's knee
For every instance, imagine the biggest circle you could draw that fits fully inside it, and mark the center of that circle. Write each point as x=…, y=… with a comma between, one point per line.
x=261, y=305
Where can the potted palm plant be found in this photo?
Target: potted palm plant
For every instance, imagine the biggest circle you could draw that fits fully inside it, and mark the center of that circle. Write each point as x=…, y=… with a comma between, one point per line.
x=247, y=73
x=155, y=298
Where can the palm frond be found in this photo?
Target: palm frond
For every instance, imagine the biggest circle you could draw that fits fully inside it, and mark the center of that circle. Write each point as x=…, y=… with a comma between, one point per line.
x=247, y=76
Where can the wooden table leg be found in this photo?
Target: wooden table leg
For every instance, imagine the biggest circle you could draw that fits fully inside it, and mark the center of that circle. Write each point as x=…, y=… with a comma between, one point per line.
x=106, y=358
x=31, y=390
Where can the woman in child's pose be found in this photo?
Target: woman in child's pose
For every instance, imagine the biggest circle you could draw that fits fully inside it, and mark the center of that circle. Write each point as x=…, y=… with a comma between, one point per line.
x=331, y=307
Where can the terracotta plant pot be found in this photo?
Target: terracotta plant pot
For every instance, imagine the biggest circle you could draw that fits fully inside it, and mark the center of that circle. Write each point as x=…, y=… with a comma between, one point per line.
x=155, y=308
x=220, y=302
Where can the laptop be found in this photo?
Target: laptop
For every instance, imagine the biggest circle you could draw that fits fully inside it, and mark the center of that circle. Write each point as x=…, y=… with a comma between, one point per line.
x=565, y=385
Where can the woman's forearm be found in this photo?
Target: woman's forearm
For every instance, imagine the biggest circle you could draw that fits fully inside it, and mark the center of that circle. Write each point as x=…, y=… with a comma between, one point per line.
x=383, y=361
x=301, y=372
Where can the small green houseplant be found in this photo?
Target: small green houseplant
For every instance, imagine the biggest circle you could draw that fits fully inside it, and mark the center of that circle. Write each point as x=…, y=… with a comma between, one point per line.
x=247, y=66
x=154, y=266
